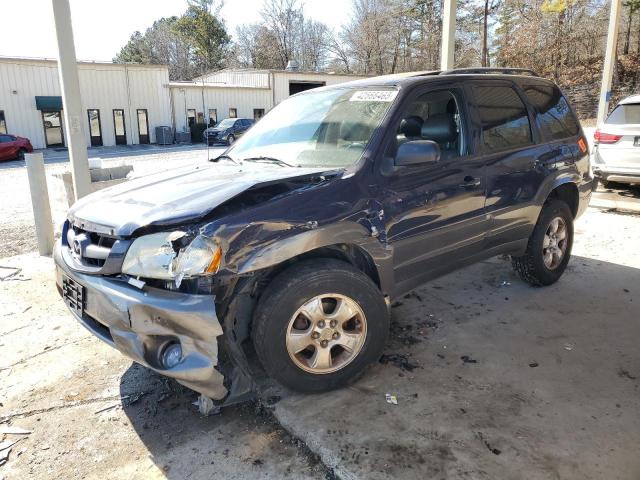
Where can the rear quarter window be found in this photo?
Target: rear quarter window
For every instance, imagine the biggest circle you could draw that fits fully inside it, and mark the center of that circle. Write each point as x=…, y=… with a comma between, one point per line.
x=555, y=118
x=504, y=117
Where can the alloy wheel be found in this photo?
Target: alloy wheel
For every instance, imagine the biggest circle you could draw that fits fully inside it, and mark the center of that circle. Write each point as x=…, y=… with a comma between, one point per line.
x=326, y=333
x=554, y=246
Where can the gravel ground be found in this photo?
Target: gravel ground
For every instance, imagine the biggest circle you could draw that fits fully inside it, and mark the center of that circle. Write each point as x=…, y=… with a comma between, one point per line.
x=17, y=232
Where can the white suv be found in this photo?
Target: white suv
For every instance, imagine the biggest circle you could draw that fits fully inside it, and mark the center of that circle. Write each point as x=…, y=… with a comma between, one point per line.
x=616, y=156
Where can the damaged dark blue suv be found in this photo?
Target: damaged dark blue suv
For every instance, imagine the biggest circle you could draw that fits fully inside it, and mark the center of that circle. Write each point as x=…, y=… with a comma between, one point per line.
x=294, y=242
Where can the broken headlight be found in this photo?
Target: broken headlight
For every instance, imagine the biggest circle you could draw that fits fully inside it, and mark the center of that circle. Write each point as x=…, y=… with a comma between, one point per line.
x=170, y=256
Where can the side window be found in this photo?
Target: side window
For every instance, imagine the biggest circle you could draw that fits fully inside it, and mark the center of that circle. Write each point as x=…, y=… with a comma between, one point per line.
x=4, y=139
x=505, y=123
x=434, y=116
x=555, y=119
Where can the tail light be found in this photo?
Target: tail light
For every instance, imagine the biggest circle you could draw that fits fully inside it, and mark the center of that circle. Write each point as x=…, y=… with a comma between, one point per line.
x=606, y=138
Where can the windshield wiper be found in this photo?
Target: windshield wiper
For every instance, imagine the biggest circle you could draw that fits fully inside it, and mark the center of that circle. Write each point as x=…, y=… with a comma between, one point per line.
x=282, y=163
x=225, y=157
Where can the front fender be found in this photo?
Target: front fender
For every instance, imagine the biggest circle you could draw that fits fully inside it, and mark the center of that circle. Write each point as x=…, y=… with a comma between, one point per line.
x=269, y=247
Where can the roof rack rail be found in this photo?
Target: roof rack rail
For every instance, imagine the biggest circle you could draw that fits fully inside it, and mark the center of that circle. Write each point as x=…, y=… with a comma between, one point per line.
x=488, y=71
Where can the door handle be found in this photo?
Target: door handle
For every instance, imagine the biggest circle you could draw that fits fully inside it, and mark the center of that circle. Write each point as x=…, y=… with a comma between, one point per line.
x=470, y=182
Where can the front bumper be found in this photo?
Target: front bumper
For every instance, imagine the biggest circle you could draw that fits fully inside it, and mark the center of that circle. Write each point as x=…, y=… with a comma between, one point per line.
x=140, y=323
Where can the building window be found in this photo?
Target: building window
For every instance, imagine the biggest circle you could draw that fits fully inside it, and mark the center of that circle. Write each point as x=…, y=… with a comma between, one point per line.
x=233, y=113
x=95, y=128
x=191, y=117
x=3, y=124
x=213, y=117
x=258, y=113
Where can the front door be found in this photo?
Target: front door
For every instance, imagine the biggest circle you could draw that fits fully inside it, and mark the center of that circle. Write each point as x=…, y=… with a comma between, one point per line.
x=435, y=211
x=143, y=126
x=119, y=127
x=95, y=129
x=52, y=123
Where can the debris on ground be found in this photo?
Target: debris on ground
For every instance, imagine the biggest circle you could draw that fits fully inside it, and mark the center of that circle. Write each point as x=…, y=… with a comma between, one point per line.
x=206, y=407
x=11, y=430
x=533, y=364
x=398, y=360
x=505, y=284
x=391, y=399
x=8, y=272
x=622, y=373
x=491, y=448
x=413, y=295
x=396, y=304
x=569, y=346
x=468, y=359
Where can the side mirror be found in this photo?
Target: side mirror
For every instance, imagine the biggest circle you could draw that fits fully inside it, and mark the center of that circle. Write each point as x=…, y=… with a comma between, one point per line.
x=417, y=152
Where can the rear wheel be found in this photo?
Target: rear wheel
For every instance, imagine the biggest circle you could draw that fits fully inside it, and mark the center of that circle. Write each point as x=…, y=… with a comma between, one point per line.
x=549, y=247
x=319, y=324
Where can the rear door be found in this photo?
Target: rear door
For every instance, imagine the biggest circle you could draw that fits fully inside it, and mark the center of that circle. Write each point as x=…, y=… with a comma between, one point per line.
x=512, y=151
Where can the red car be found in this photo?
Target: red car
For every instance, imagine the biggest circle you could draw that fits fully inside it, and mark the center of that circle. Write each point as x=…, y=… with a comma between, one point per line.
x=14, y=148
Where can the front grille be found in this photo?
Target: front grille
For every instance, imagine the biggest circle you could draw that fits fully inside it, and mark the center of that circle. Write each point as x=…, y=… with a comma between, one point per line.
x=90, y=249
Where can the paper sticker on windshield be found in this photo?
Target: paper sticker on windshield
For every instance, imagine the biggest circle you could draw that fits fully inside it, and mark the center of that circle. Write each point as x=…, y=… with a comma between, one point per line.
x=374, y=96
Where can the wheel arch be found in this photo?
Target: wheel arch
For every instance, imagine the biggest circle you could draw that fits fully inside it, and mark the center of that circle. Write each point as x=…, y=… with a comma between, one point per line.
x=566, y=191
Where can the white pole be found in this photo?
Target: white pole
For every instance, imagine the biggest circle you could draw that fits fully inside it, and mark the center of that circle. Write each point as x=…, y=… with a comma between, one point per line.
x=609, y=60
x=40, y=202
x=448, y=35
x=70, y=86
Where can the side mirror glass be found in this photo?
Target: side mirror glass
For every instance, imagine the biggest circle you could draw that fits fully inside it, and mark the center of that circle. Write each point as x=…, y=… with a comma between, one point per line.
x=417, y=152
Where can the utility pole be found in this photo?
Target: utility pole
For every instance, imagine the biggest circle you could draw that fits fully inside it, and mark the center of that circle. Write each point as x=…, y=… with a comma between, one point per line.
x=448, y=35
x=70, y=86
x=610, y=58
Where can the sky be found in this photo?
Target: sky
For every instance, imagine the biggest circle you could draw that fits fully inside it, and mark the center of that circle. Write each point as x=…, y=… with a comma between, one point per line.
x=102, y=27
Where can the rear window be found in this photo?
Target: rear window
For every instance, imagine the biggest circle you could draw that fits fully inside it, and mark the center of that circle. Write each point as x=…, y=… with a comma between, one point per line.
x=505, y=122
x=555, y=119
x=625, y=114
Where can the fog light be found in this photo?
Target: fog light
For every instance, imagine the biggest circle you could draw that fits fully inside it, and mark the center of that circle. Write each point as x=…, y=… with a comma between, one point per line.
x=171, y=355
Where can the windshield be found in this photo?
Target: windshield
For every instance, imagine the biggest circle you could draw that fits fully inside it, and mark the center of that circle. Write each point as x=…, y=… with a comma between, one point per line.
x=326, y=128
x=625, y=114
x=226, y=123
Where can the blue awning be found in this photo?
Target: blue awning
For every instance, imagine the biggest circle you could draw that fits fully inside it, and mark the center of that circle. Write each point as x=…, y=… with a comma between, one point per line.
x=49, y=103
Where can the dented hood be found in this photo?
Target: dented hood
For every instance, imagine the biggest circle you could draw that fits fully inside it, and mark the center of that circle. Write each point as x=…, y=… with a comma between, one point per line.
x=174, y=196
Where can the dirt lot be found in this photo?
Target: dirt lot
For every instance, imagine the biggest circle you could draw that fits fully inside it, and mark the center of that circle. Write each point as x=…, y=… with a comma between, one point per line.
x=494, y=379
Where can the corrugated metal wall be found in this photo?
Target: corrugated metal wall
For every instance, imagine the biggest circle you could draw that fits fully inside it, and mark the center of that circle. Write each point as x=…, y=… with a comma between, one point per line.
x=247, y=78
x=102, y=86
x=283, y=79
x=221, y=98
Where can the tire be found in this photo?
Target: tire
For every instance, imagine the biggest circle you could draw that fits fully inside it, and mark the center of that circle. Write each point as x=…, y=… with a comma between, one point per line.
x=21, y=153
x=231, y=139
x=275, y=327
x=533, y=266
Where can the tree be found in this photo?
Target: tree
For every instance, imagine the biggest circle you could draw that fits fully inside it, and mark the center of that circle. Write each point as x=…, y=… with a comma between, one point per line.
x=633, y=6
x=206, y=35
x=284, y=18
x=160, y=44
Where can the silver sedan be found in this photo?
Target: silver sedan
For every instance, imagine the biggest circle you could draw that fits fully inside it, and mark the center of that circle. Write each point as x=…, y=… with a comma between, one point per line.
x=616, y=153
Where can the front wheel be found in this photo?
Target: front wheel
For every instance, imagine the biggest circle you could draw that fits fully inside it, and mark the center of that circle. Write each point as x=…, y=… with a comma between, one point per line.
x=319, y=324
x=231, y=139
x=549, y=247
x=21, y=153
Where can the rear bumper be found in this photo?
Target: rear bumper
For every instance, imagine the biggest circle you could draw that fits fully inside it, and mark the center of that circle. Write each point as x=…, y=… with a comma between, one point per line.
x=605, y=167
x=140, y=323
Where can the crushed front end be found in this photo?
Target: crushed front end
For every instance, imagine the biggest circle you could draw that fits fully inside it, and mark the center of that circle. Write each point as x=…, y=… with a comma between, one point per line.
x=174, y=332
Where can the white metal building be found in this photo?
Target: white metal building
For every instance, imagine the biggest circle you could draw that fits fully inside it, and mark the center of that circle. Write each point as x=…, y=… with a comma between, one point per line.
x=242, y=93
x=123, y=103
